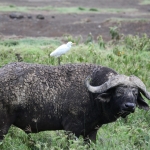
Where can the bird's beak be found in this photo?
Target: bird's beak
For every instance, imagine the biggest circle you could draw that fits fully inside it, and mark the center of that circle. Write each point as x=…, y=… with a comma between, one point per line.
x=73, y=43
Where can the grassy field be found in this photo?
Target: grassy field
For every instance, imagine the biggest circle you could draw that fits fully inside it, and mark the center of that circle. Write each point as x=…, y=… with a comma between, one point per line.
x=145, y=2
x=10, y=8
x=130, y=55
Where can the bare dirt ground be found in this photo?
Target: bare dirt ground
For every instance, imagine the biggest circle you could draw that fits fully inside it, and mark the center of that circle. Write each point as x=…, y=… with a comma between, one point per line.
x=58, y=24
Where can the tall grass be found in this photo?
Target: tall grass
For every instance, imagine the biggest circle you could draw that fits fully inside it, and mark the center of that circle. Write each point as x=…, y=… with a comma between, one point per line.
x=130, y=55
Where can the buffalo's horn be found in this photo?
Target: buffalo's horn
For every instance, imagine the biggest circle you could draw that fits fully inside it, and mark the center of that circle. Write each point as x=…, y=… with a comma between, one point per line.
x=140, y=85
x=112, y=82
x=118, y=80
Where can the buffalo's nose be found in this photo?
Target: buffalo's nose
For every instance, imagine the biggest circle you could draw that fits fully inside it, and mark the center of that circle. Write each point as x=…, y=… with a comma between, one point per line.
x=130, y=106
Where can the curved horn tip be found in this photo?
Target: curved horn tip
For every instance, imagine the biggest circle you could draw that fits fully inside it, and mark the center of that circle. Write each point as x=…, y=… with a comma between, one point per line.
x=87, y=81
x=139, y=83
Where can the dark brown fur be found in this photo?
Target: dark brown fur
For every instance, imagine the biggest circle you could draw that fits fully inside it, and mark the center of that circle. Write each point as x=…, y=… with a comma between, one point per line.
x=42, y=97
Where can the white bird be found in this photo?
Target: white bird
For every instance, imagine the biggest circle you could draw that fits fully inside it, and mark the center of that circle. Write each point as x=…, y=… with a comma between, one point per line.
x=61, y=50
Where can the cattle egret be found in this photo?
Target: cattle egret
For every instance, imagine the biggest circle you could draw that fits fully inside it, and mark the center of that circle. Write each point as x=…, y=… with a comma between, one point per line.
x=61, y=50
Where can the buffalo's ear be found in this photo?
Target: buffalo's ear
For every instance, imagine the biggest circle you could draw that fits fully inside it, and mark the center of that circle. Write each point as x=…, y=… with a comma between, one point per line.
x=141, y=103
x=104, y=97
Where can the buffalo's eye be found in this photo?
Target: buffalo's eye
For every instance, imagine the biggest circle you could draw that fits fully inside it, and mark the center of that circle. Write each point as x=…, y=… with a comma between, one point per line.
x=135, y=91
x=119, y=92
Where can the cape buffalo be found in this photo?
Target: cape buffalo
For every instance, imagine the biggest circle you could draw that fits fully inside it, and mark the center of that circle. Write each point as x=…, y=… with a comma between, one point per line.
x=71, y=97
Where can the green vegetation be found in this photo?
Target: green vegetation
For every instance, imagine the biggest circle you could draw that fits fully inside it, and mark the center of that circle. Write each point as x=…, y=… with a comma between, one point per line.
x=128, y=55
x=114, y=33
x=7, y=8
x=145, y=2
x=84, y=10
x=13, y=8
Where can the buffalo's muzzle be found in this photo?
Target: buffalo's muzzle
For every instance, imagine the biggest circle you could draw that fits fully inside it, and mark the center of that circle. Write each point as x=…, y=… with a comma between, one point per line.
x=129, y=107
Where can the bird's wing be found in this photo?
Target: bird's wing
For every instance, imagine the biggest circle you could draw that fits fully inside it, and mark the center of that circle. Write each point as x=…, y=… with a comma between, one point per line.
x=59, y=51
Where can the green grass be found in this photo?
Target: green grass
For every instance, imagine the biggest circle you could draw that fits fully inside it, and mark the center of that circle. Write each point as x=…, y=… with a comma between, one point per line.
x=84, y=10
x=52, y=9
x=145, y=2
x=127, y=56
x=14, y=8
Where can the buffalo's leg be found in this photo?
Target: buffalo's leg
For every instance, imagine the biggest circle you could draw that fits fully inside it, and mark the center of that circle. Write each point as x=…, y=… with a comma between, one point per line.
x=70, y=124
x=92, y=135
x=5, y=123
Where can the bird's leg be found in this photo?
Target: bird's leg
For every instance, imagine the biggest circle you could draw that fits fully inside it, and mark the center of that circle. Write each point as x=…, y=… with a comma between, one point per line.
x=58, y=60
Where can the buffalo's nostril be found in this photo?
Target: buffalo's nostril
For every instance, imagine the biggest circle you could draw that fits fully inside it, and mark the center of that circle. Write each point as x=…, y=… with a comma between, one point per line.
x=130, y=105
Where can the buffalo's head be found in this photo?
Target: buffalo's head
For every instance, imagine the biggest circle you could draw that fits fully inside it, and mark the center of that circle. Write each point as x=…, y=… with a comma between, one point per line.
x=121, y=93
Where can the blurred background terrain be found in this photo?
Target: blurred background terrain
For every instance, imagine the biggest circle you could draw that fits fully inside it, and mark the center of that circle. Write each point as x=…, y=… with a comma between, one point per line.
x=55, y=18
